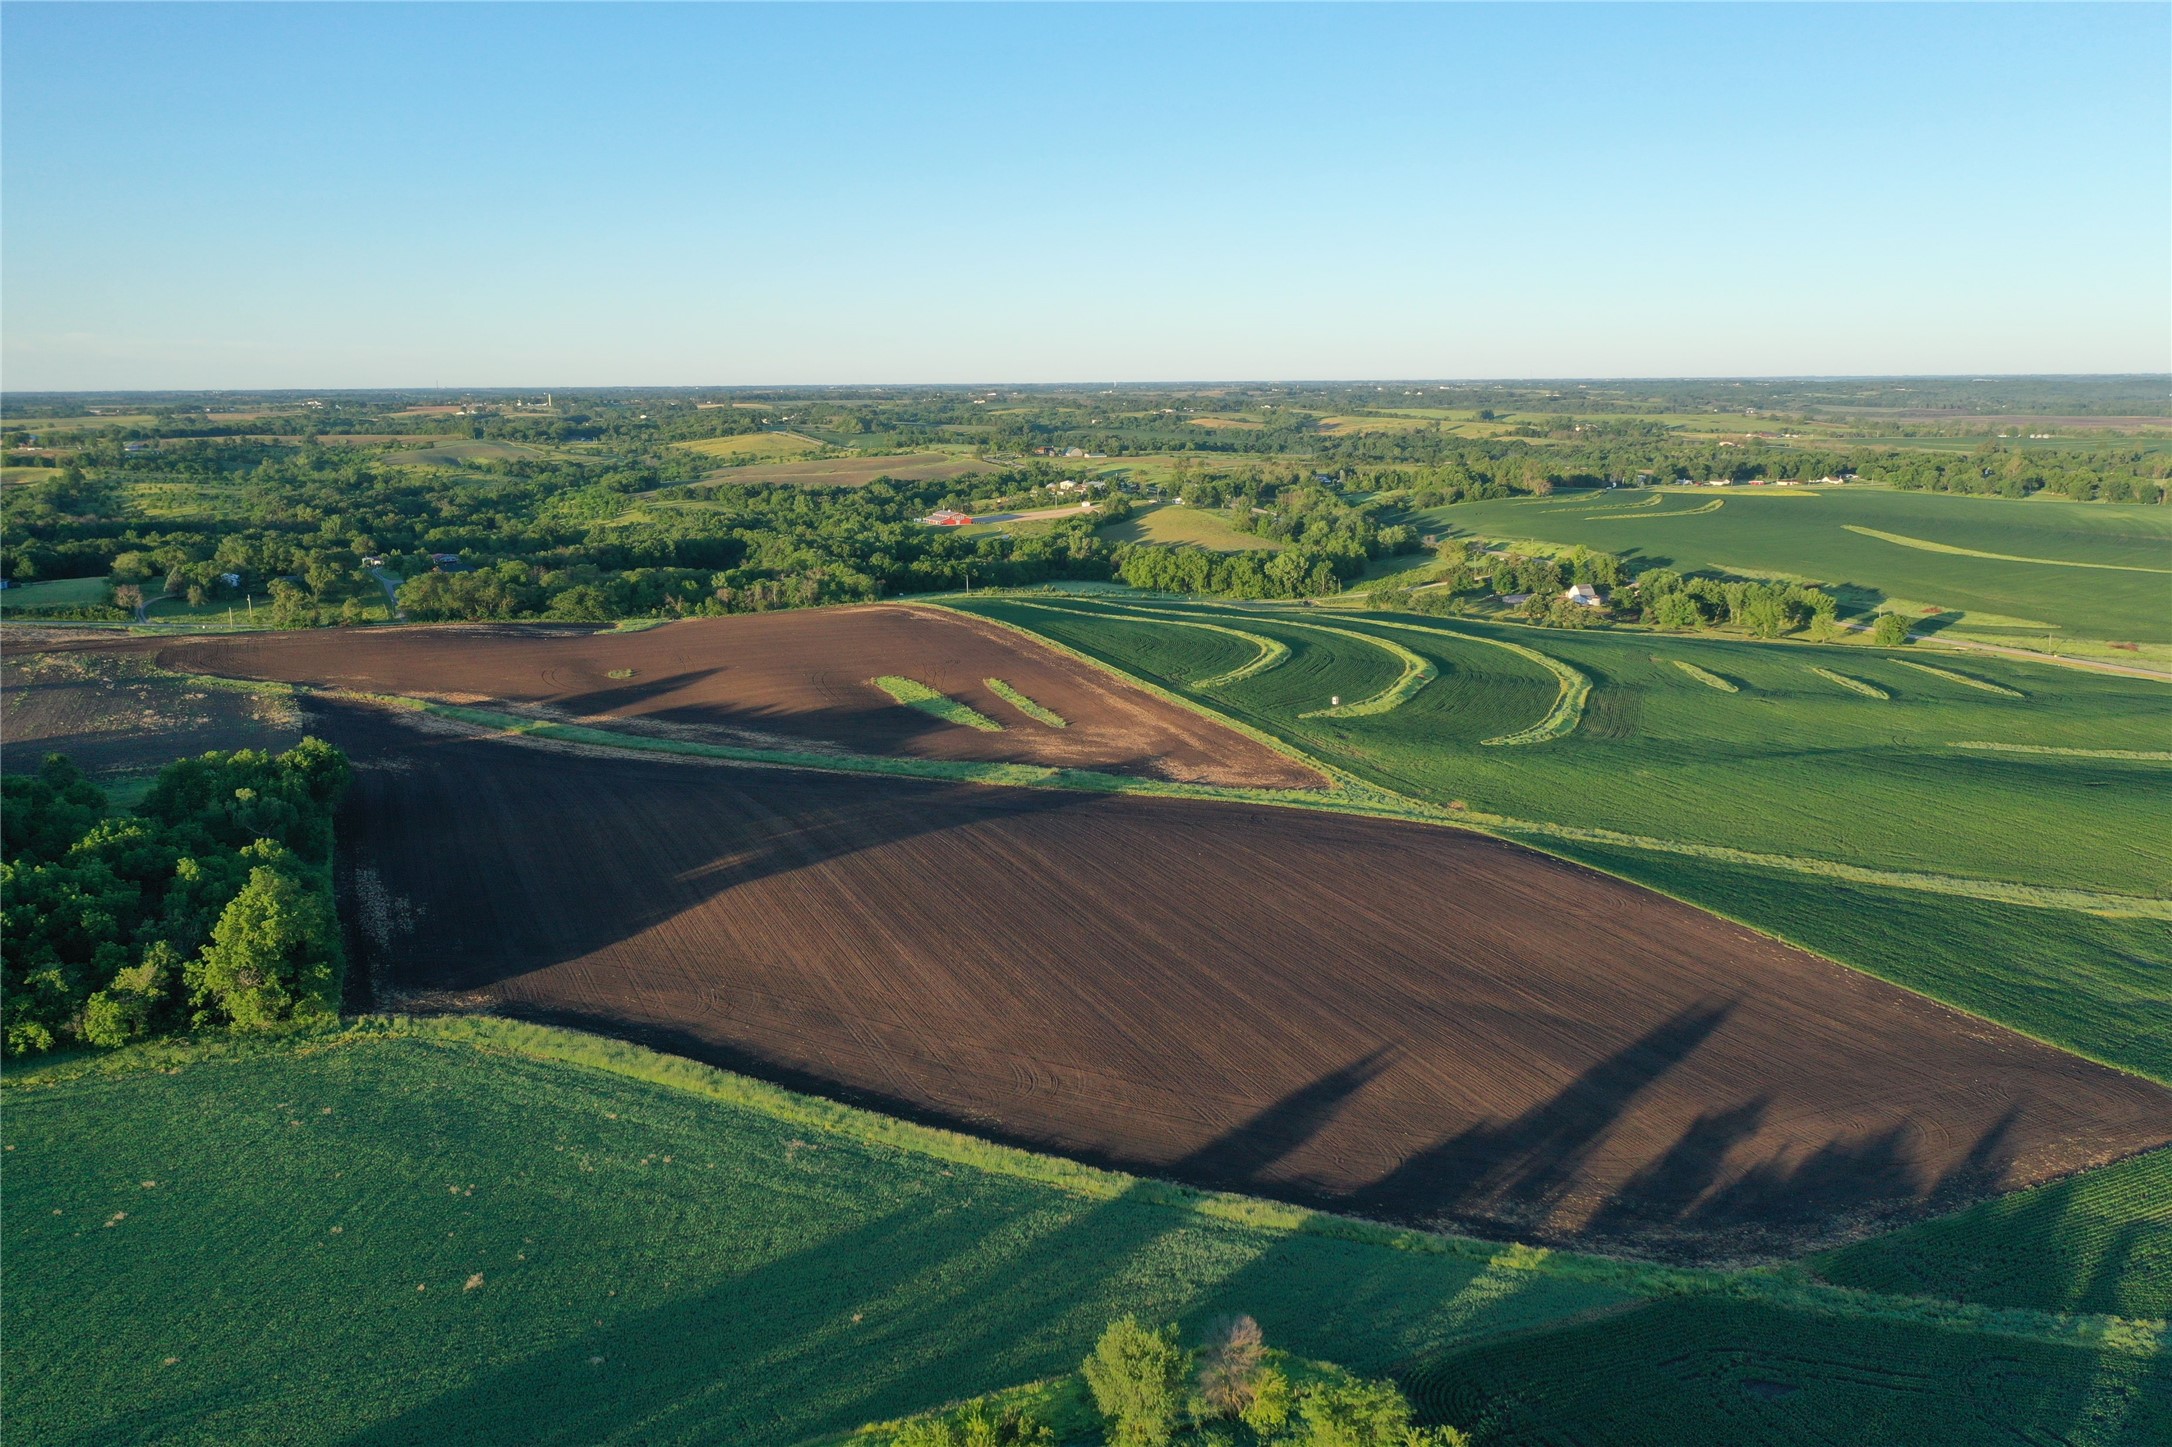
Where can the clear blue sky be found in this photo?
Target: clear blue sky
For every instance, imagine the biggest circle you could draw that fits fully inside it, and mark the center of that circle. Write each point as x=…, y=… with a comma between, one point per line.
x=395, y=195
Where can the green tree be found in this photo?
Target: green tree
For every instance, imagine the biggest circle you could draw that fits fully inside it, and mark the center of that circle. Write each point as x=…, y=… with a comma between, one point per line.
x=1890, y=631
x=1269, y=1410
x=1136, y=1374
x=273, y=954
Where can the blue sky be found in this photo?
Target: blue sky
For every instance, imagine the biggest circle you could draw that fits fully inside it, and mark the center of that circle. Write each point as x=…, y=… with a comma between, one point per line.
x=396, y=195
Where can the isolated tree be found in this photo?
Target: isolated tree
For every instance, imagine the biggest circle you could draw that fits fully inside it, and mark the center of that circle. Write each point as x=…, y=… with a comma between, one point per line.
x=1136, y=1374
x=1890, y=631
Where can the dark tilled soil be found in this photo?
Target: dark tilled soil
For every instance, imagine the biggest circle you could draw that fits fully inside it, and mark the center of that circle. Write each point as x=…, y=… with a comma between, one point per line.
x=1417, y=1024
x=110, y=713
x=777, y=679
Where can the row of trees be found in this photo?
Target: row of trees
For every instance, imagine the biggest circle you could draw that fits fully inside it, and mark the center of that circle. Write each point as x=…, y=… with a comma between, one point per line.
x=208, y=904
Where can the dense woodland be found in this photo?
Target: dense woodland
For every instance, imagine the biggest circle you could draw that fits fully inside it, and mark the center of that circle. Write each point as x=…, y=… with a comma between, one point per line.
x=596, y=514
x=209, y=903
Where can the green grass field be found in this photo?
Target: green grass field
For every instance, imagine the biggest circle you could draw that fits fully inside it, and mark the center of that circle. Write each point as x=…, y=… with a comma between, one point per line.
x=2100, y=1242
x=1806, y=534
x=1743, y=1374
x=400, y=1238
x=54, y=593
x=1174, y=523
x=473, y=1230
x=773, y=445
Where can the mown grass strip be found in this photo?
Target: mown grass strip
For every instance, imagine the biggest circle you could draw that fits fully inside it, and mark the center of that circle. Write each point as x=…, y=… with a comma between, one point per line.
x=1927, y=546
x=1568, y=709
x=1272, y=651
x=1713, y=506
x=1853, y=685
x=1705, y=676
x=915, y=694
x=1963, y=679
x=1417, y=673
x=2140, y=756
x=1025, y=705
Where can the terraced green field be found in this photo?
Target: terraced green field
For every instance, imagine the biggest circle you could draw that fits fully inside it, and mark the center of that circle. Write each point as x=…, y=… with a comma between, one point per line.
x=1790, y=764
x=382, y=1238
x=2100, y=571
x=2100, y=1242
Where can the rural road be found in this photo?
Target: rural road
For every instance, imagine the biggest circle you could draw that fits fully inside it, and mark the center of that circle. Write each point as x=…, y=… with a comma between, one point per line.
x=390, y=583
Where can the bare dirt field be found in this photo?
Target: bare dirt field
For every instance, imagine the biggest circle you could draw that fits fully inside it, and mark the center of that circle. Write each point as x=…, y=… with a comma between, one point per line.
x=113, y=714
x=777, y=680
x=1417, y=1024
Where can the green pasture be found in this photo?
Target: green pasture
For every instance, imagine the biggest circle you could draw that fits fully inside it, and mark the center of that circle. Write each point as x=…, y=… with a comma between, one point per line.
x=1176, y=523
x=445, y=1235
x=1788, y=764
x=54, y=593
x=2098, y=1242
x=2100, y=570
x=770, y=445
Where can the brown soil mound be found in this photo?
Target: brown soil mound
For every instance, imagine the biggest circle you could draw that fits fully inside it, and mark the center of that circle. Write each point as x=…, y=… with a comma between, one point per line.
x=1418, y=1024
x=778, y=679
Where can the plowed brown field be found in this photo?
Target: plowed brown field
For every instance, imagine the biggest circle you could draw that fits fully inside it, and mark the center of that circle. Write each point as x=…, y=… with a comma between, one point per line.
x=1419, y=1024
x=778, y=679
x=112, y=714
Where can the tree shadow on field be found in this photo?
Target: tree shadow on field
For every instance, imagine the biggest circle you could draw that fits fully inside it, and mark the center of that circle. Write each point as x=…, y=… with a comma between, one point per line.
x=921, y=1305
x=1514, y=1172
x=1237, y=1158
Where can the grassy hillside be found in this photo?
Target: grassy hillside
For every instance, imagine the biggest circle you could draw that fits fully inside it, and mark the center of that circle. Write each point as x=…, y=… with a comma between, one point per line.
x=1168, y=522
x=476, y=1231
x=2096, y=571
x=2100, y=1242
x=385, y=1237
x=1747, y=1374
